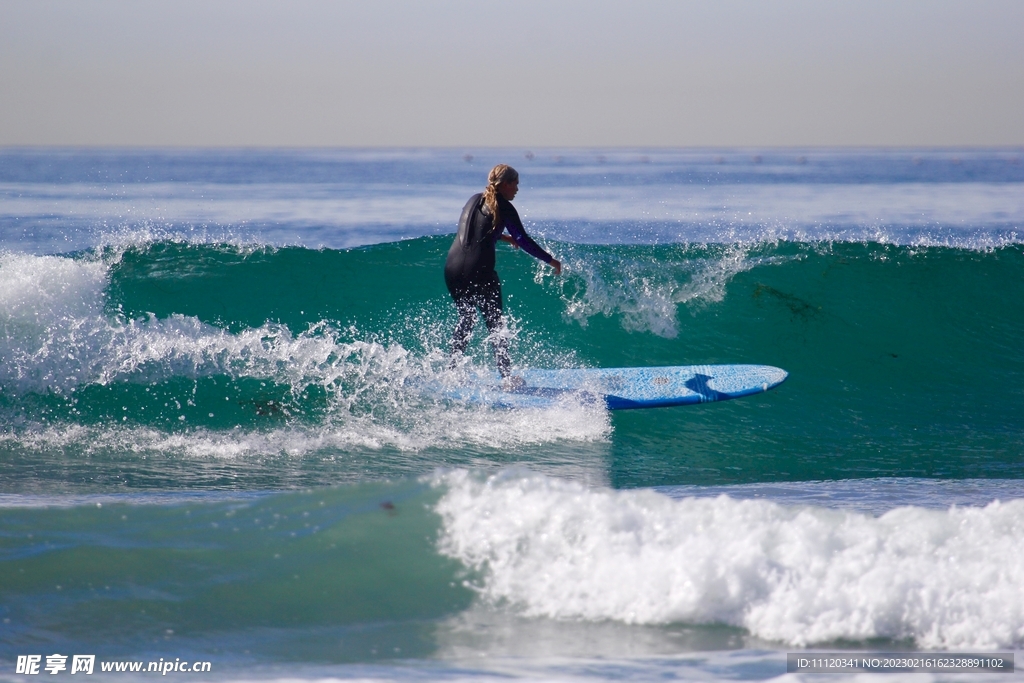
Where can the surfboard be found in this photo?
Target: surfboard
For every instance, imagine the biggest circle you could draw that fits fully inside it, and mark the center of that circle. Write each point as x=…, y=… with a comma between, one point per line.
x=617, y=388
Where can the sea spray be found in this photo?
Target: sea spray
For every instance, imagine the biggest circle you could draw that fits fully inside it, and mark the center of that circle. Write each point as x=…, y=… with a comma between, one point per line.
x=644, y=287
x=253, y=352
x=800, y=575
x=239, y=334
x=85, y=376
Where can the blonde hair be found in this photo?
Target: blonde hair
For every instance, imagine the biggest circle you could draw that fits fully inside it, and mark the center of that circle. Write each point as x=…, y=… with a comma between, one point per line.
x=499, y=174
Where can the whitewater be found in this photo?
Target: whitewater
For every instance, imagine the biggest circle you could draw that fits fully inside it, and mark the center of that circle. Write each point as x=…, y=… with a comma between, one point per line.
x=214, y=446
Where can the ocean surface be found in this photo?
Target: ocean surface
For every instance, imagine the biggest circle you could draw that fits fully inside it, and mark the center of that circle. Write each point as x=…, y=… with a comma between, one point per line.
x=212, y=448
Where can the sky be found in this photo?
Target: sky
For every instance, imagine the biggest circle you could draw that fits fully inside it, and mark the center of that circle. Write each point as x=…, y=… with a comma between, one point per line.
x=535, y=73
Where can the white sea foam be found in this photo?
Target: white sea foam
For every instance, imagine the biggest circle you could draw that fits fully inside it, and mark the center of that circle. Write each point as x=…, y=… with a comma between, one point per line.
x=796, y=574
x=423, y=427
x=647, y=293
x=56, y=336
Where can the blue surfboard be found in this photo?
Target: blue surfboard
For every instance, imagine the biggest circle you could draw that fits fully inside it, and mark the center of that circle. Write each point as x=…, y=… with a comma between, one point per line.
x=617, y=388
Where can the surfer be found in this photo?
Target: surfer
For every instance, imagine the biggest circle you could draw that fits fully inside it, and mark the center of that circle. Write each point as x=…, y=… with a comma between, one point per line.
x=469, y=269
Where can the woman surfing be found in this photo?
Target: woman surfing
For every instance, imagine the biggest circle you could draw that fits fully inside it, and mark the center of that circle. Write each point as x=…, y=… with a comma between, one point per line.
x=469, y=269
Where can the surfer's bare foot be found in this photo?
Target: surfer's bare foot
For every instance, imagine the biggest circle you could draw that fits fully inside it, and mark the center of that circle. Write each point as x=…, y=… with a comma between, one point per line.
x=513, y=382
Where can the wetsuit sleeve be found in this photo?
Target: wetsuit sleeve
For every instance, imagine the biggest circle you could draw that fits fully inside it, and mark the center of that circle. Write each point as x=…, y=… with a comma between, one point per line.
x=515, y=228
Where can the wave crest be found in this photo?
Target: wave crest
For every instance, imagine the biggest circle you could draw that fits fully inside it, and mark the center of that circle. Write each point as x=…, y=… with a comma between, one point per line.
x=800, y=575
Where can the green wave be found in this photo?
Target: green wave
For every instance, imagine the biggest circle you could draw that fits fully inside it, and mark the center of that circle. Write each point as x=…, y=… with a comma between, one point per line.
x=903, y=361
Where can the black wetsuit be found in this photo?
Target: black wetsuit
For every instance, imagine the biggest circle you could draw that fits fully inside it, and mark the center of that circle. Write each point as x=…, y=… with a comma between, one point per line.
x=471, y=278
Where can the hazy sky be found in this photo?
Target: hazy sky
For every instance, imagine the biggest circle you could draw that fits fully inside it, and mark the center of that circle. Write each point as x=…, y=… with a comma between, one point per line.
x=516, y=73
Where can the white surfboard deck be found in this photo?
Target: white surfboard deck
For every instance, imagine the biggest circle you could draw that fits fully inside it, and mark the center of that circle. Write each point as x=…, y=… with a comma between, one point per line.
x=618, y=388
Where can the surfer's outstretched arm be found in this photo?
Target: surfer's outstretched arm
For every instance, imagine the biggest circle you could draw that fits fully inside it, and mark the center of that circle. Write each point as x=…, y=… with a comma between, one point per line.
x=517, y=237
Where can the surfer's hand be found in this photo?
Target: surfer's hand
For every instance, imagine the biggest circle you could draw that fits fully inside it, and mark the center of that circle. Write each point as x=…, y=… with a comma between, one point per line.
x=557, y=265
x=508, y=238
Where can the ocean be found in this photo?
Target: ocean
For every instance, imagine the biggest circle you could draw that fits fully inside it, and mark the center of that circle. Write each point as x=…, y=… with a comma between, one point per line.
x=214, y=450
